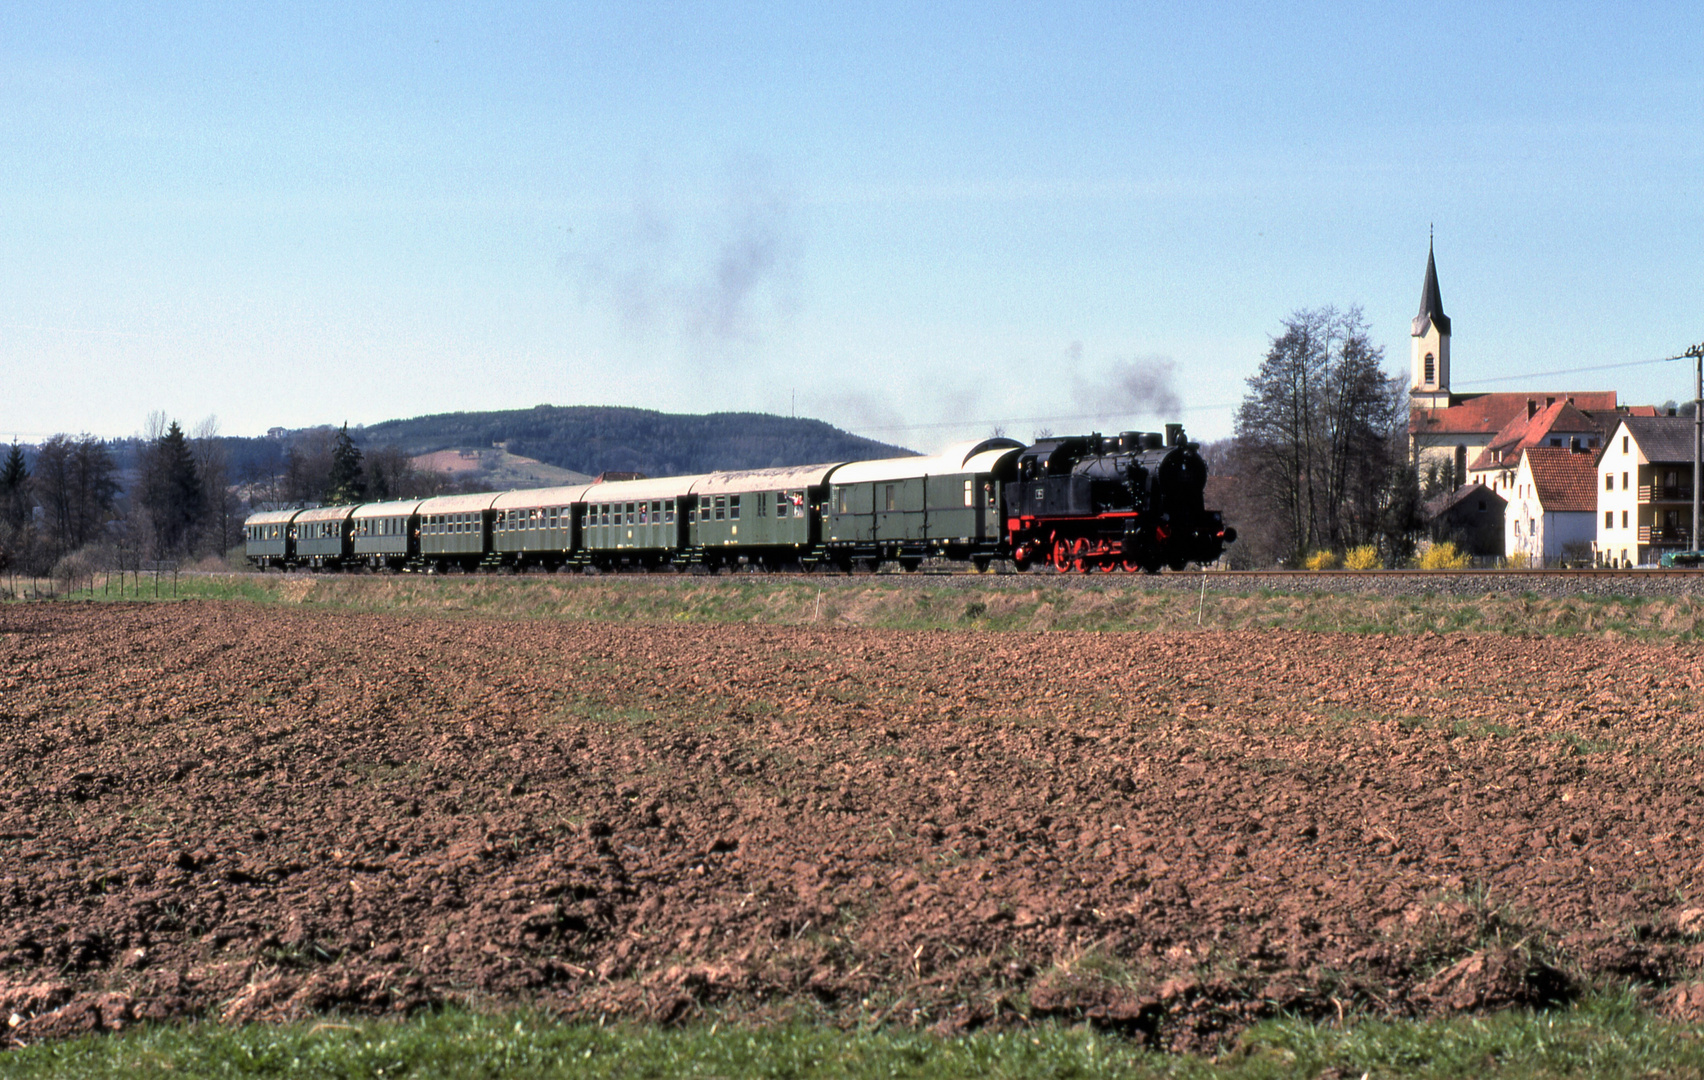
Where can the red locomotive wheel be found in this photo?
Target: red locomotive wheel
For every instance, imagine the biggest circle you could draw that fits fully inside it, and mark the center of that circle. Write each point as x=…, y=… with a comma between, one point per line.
x=1131, y=566
x=1061, y=556
x=1079, y=555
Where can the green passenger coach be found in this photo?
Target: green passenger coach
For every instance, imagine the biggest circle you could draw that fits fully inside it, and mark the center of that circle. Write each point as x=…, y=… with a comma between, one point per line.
x=269, y=540
x=911, y=508
x=762, y=517
x=636, y=522
x=324, y=537
x=387, y=534
x=536, y=528
x=455, y=530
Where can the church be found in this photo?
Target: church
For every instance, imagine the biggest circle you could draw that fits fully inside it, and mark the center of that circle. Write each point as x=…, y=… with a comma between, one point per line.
x=1481, y=437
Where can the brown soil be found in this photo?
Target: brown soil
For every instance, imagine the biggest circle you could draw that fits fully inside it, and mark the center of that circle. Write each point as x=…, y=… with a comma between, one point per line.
x=257, y=813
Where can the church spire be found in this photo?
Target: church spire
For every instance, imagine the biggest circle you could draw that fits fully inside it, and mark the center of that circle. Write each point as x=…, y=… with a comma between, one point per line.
x=1431, y=301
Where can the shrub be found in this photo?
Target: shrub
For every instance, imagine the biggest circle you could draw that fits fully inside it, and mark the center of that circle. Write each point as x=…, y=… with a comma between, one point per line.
x=1444, y=555
x=1365, y=557
x=1520, y=560
x=1320, y=560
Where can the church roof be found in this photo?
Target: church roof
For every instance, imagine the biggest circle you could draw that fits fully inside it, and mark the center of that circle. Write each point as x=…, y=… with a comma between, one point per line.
x=1431, y=301
x=1488, y=414
x=1564, y=480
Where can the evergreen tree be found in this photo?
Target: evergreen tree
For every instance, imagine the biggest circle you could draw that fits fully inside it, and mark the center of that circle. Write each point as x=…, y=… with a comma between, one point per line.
x=172, y=492
x=347, y=482
x=15, y=503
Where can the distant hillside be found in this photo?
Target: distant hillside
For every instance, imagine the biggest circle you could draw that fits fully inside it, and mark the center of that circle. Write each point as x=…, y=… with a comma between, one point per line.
x=591, y=439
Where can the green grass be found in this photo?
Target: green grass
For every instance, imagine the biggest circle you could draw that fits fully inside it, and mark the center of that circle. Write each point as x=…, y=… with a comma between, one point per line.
x=1604, y=1037
x=995, y=603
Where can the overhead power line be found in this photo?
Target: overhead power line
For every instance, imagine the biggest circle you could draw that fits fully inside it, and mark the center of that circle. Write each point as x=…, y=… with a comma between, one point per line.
x=1570, y=371
x=1009, y=422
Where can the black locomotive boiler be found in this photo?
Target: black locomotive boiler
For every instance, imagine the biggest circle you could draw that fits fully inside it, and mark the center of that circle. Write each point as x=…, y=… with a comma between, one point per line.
x=1132, y=501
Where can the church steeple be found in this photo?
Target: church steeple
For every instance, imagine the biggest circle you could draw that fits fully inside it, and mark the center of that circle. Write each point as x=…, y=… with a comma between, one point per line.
x=1429, y=386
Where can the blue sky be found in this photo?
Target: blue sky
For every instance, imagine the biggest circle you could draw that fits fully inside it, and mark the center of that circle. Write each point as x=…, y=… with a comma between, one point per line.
x=920, y=222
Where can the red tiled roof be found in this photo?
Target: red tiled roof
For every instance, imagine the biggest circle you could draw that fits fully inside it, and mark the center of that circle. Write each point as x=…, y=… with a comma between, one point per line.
x=1560, y=417
x=1483, y=414
x=1563, y=480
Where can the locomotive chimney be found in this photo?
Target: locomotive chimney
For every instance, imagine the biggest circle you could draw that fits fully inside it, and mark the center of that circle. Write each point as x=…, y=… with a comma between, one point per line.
x=1174, y=434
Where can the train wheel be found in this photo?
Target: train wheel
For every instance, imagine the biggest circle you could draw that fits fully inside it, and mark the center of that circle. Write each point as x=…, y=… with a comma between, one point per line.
x=1061, y=556
x=1131, y=566
x=1080, y=561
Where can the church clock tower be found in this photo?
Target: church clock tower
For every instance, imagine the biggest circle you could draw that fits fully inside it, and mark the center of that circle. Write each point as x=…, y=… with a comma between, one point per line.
x=1429, y=383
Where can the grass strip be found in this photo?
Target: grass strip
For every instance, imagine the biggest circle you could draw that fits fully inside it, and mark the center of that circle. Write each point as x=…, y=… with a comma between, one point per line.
x=997, y=604
x=1603, y=1037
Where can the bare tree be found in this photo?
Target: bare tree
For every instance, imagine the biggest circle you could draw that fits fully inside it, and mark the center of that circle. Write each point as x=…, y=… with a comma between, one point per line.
x=1316, y=433
x=77, y=484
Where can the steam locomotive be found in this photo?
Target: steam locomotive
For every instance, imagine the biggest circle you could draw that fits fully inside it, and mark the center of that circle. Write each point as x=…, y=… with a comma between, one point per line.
x=1133, y=501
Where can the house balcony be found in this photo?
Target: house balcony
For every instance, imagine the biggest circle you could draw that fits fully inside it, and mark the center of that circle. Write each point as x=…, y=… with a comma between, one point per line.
x=1656, y=493
x=1659, y=536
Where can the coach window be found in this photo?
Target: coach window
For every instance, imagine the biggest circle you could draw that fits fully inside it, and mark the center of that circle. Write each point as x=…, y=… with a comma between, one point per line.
x=969, y=493
x=889, y=497
x=733, y=507
x=840, y=500
x=656, y=511
x=721, y=505
x=703, y=508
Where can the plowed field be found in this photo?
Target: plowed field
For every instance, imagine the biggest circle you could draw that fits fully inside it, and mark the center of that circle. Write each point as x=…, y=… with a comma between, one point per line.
x=256, y=813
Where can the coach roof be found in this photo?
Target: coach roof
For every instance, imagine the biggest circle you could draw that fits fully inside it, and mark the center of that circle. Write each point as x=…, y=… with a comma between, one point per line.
x=460, y=504
x=803, y=476
x=978, y=455
x=666, y=487
x=531, y=497
x=271, y=517
x=399, y=508
x=324, y=513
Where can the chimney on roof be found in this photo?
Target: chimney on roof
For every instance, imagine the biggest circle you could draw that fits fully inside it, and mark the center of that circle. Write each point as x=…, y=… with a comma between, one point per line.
x=1532, y=408
x=1671, y=410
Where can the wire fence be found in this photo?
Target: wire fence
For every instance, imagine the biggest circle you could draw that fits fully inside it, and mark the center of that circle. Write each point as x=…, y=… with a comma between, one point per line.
x=154, y=579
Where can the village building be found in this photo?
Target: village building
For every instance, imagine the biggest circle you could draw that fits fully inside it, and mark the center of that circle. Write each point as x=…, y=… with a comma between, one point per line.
x=1470, y=517
x=1448, y=431
x=1551, y=518
x=1546, y=422
x=1644, y=490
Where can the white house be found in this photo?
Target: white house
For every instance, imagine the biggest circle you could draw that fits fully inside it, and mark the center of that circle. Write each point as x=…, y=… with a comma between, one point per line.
x=1644, y=490
x=1552, y=512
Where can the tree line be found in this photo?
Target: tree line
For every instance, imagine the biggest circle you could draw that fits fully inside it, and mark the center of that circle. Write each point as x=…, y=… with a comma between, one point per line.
x=77, y=500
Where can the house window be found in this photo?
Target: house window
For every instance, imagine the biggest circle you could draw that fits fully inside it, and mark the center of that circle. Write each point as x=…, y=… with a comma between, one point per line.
x=1609, y=519
x=1481, y=506
x=1623, y=481
x=1624, y=519
x=1623, y=444
x=1609, y=481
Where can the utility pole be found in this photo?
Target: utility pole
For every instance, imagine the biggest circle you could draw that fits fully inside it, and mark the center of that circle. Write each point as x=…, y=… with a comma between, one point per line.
x=1696, y=352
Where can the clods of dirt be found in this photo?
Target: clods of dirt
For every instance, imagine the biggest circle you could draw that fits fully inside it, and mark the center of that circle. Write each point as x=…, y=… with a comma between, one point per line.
x=262, y=813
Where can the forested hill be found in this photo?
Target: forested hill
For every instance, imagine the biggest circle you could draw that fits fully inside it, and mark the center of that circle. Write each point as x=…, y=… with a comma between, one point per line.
x=592, y=439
